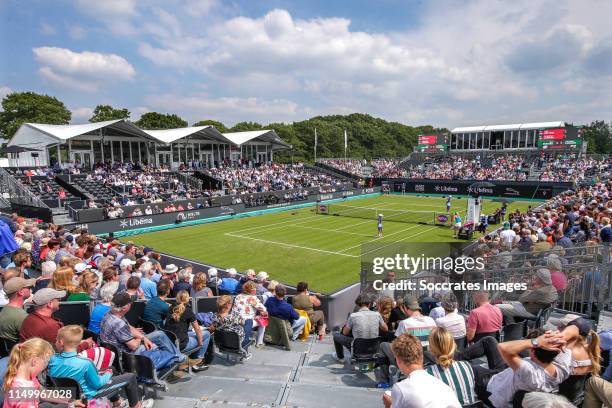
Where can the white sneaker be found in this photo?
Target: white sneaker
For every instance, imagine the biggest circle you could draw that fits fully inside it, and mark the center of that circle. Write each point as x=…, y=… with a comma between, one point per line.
x=338, y=359
x=147, y=403
x=247, y=357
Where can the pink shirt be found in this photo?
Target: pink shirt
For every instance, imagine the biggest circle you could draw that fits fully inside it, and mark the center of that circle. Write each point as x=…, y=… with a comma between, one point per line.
x=559, y=280
x=485, y=319
x=19, y=401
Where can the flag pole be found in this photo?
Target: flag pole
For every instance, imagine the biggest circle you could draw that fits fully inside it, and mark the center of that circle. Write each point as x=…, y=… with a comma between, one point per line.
x=315, y=146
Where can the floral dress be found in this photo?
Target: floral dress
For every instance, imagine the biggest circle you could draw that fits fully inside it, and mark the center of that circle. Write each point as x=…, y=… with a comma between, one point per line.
x=249, y=306
x=231, y=322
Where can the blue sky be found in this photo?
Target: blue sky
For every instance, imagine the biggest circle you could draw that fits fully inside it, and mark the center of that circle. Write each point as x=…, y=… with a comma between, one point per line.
x=445, y=63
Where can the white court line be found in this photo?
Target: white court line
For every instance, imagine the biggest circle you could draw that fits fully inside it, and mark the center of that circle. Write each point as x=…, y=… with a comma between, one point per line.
x=290, y=245
x=328, y=230
x=390, y=235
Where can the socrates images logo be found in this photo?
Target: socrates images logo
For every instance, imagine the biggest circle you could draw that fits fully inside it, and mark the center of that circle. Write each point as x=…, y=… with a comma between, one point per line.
x=442, y=218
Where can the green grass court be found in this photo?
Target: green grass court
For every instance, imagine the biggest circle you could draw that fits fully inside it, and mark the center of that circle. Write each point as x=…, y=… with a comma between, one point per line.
x=297, y=245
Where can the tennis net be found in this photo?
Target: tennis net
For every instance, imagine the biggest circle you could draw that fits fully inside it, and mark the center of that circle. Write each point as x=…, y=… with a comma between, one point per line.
x=371, y=213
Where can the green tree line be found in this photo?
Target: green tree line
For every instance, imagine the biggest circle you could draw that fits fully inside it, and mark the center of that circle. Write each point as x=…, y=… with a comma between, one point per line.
x=368, y=136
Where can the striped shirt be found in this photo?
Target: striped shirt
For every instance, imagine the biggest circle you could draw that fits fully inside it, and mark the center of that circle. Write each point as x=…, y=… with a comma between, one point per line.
x=460, y=377
x=419, y=326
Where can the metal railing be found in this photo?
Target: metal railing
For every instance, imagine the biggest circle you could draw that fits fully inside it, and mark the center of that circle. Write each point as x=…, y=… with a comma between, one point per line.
x=190, y=181
x=583, y=281
x=15, y=192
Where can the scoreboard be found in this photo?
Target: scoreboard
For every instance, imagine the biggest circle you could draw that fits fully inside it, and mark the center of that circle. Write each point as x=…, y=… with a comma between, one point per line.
x=432, y=143
x=560, y=138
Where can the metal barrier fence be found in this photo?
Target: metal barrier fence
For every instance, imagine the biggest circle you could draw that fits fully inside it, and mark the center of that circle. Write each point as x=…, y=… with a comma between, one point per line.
x=16, y=192
x=582, y=275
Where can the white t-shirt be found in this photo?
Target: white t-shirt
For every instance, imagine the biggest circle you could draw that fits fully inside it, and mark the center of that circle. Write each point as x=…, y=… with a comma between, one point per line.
x=421, y=390
x=528, y=377
x=454, y=323
x=507, y=237
x=419, y=326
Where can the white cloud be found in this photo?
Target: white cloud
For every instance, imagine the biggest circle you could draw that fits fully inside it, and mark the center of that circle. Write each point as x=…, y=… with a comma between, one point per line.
x=77, y=32
x=4, y=90
x=47, y=29
x=81, y=70
x=81, y=115
x=107, y=8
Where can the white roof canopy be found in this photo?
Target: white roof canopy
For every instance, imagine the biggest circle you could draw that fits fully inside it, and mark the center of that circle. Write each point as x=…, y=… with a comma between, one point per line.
x=517, y=126
x=240, y=138
x=39, y=136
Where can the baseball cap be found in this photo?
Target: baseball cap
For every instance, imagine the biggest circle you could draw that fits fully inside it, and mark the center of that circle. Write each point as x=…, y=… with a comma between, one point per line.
x=15, y=284
x=46, y=295
x=121, y=299
x=81, y=267
x=506, y=225
x=411, y=302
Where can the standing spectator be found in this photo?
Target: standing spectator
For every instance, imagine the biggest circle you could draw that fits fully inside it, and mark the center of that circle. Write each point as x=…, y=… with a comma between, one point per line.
x=278, y=307
x=12, y=315
x=484, y=320
x=307, y=302
x=179, y=321
x=363, y=324
x=419, y=389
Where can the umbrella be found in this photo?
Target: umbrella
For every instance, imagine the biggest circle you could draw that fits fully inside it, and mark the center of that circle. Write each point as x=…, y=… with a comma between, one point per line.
x=17, y=149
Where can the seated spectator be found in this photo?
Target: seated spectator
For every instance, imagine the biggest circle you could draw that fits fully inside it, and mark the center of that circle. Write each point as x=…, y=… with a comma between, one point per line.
x=12, y=315
x=452, y=320
x=419, y=389
x=147, y=286
x=228, y=319
x=456, y=374
x=180, y=319
x=182, y=283
x=416, y=324
x=542, y=294
x=598, y=393
x=40, y=322
x=546, y=367
x=101, y=309
x=115, y=330
x=199, y=288
x=47, y=269
x=229, y=284
x=557, y=277
x=213, y=280
x=8, y=274
x=156, y=310
x=583, y=342
x=252, y=311
x=63, y=280
x=384, y=306
x=307, y=302
x=132, y=288
x=68, y=364
x=605, y=338
x=397, y=315
x=484, y=320
x=363, y=324
x=26, y=363
x=262, y=280
x=249, y=275
x=277, y=306
x=88, y=283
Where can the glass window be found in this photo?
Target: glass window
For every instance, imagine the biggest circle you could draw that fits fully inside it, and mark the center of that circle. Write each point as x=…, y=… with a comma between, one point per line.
x=531, y=134
x=97, y=147
x=116, y=150
x=485, y=140
x=175, y=153
x=507, y=139
x=523, y=139
x=466, y=141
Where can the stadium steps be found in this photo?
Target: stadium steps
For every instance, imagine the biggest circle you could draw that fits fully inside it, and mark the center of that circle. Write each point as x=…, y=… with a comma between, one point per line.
x=305, y=377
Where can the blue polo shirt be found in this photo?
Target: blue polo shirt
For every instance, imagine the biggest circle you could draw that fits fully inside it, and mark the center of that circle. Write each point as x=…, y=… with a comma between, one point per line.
x=149, y=288
x=156, y=311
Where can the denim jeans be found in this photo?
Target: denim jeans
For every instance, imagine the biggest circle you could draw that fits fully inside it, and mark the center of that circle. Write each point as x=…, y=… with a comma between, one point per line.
x=162, y=342
x=298, y=327
x=193, y=342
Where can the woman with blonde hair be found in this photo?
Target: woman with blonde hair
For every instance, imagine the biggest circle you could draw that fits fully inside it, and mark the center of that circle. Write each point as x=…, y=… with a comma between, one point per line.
x=199, y=286
x=458, y=375
x=26, y=361
x=584, y=343
x=179, y=320
x=88, y=282
x=63, y=279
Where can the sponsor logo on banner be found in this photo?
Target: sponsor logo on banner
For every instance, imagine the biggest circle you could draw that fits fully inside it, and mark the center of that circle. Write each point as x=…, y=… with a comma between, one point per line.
x=368, y=190
x=442, y=218
x=347, y=193
x=227, y=210
x=134, y=222
x=187, y=216
x=446, y=189
x=326, y=196
x=419, y=187
x=480, y=190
